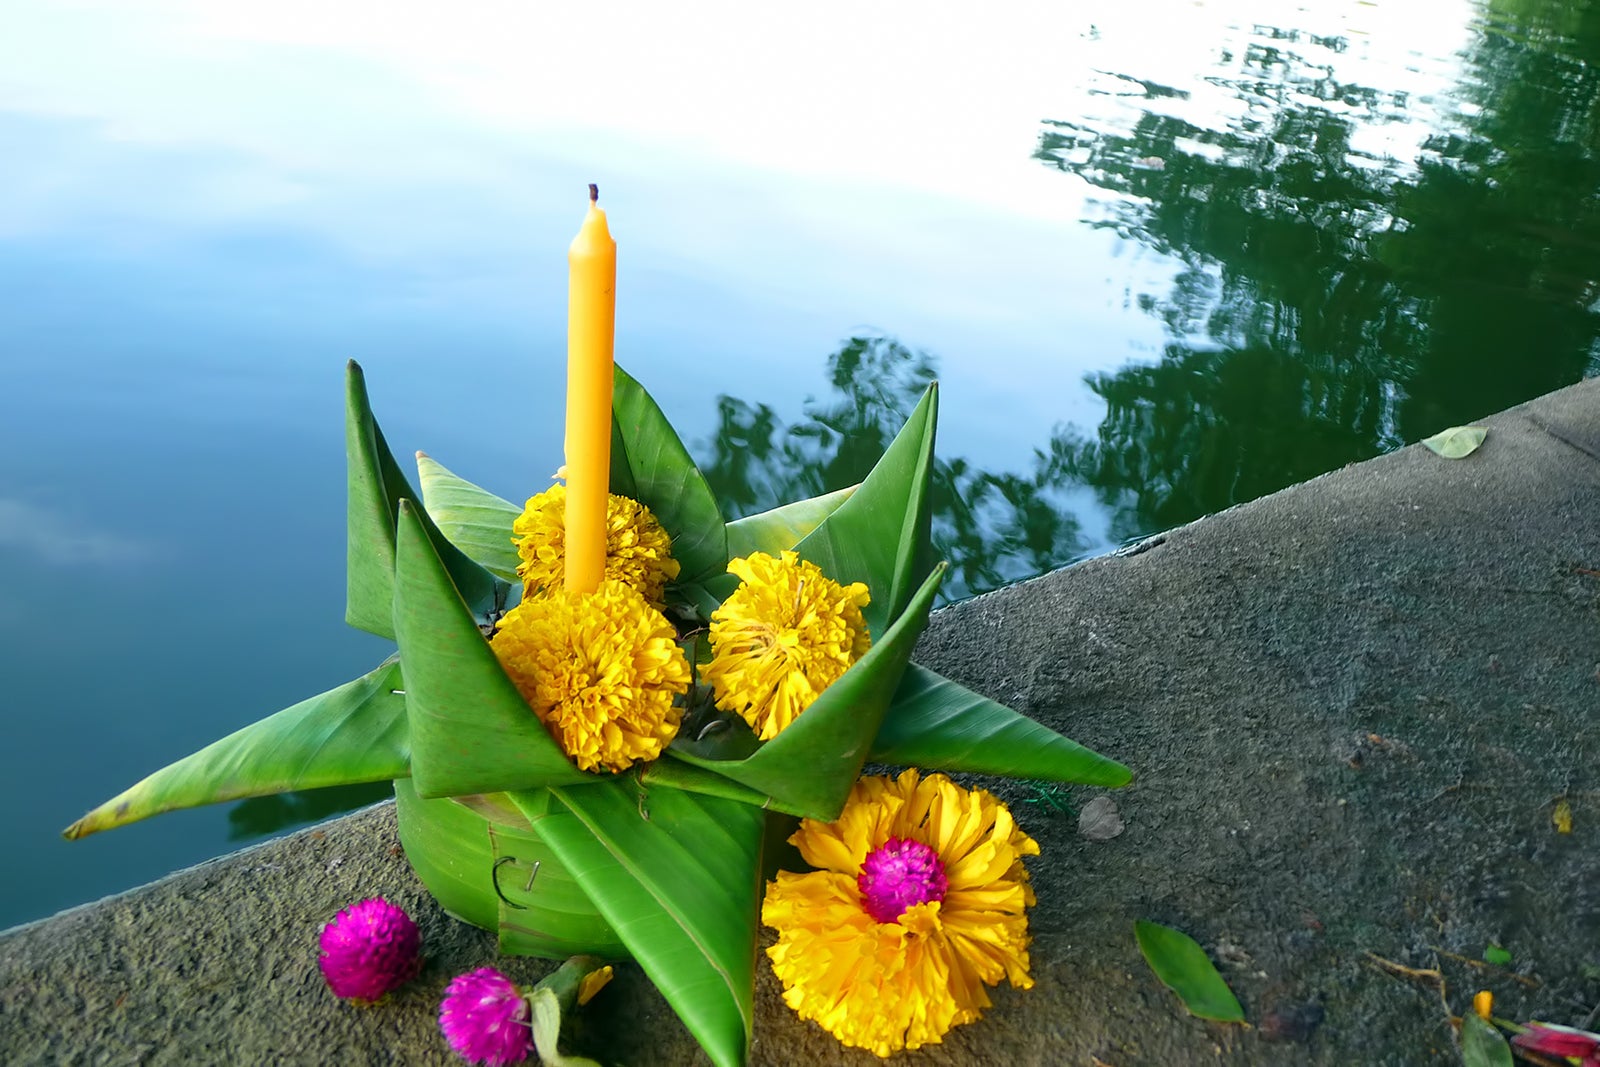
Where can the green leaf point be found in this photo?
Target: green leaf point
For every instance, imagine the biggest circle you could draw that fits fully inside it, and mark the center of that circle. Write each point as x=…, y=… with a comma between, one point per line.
x=352, y=734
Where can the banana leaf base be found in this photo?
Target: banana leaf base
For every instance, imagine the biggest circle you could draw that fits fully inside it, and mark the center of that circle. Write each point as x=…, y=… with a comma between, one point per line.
x=485, y=863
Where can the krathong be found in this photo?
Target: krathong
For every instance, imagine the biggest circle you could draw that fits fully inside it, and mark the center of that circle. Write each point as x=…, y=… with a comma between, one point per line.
x=593, y=770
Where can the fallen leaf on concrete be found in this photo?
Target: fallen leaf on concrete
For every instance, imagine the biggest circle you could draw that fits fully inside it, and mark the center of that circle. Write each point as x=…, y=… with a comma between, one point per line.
x=1482, y=1045
x=1099, y=821
x=1181, y=965
x=1562, y=817
x=1457, y=442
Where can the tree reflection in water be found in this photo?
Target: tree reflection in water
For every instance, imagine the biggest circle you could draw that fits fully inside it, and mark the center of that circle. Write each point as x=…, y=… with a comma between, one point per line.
x=994, y=528
x=1332, y=304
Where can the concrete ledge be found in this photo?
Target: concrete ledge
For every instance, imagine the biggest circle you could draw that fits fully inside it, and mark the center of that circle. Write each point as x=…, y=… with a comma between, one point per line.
x=1350, y=706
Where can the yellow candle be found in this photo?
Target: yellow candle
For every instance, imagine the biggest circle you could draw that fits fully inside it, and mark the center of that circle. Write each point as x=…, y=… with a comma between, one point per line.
x=591, y=329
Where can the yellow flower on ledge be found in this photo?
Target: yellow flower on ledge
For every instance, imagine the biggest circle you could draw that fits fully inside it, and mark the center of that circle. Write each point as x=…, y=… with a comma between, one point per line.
x=601, y=671
x=918, y=907
x=786, y=634
x=638, y=549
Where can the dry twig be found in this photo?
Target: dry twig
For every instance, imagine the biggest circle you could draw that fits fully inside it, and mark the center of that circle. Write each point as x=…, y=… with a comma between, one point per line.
x=1400, y=970
x=1531, y=983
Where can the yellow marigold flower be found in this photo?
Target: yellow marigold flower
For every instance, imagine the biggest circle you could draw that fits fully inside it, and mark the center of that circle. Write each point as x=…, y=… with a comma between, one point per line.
x=786, y=634
x=600, y=670
x=919, y=905
x=638, y=550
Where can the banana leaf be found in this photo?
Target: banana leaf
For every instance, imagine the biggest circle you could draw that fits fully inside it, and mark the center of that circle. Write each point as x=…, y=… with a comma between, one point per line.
x=939, y=725
x=376, y=486
x=783, y=527
x=880, y=535
x=473, y=519
x=676, y=875
x=355, y=733
x=808, y=769
x=471, y=730
x=650, y=464
x=477, y=856
x=675, y=774
x=776, y=530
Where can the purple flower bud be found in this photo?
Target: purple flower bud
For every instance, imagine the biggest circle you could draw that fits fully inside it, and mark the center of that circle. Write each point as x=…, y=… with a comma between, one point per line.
x=369, y=949
x=485, y=1018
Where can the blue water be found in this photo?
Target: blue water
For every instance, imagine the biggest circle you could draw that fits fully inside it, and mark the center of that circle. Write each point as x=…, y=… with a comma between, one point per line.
x=1160, y=266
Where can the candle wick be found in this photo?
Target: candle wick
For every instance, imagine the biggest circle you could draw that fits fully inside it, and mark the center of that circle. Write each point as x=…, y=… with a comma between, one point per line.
x=594, y=193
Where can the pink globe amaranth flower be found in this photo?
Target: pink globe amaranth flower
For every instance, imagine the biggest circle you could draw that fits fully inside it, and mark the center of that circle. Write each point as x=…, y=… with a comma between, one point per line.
x=369, y=949
x=899, y=874
x=484, y=1016
x=1563, y=1041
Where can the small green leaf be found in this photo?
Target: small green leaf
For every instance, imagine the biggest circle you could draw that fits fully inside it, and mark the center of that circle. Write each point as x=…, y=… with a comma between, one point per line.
x=939, y=725
x=783, y=527
x=1181, y=964
x=1496, y=955
x=650, y=464
x=471, y=730
x=1482, y=1045
x=1456, y=442
x=473, y=519
x=355, y=733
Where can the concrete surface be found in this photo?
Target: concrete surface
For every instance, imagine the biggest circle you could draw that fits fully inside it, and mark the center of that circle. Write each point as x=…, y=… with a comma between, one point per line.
x=1351, y=707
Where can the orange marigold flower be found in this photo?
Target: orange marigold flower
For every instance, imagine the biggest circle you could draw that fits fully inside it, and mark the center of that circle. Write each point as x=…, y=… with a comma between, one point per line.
x=919, y=905
x=601, y=670
x=638, y=549
x=786, y=634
